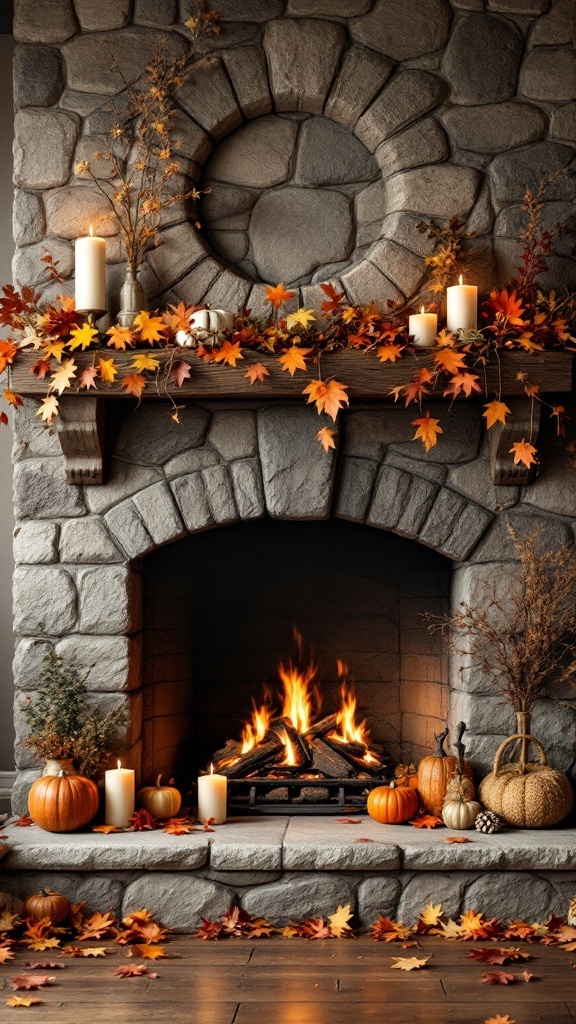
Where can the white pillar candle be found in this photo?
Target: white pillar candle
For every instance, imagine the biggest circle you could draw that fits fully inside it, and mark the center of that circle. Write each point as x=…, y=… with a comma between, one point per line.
x=90, y=273
x=462, y=307
x=212, y=794
x=423, y=327
x=119, y=789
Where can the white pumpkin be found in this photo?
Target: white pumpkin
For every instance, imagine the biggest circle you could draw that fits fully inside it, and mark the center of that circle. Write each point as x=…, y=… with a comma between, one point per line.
x=205, y=325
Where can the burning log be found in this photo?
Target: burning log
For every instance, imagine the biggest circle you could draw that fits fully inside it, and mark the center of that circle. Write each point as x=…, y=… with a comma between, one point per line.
x=296, y=747
x=248, y=763
x=320, y=728
x=228, y=753
x=327, y=761
x=346, y=748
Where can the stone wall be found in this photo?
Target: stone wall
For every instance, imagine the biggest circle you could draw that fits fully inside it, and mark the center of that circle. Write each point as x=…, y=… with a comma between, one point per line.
x=328, y=129
x=78, y=580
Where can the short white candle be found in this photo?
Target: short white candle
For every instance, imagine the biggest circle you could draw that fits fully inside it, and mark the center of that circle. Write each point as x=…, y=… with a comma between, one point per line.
x=423, y=328
x=90, y=273
x=119, y=789
x=212, y=794
x=462, y=307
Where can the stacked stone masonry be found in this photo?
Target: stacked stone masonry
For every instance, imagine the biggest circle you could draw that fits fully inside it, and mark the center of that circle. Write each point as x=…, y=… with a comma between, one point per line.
x=326, y=130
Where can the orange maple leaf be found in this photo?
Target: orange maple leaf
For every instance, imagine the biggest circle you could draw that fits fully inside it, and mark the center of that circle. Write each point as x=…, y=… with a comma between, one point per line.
x=449, y=359
x=12, y=398
x=426, y=821
x=389, y=352
x=293, y=359
x=257, y=372
x=384, y=929
x=495, y=412
x=150, y=328
x=334, y=301
x=120, y=337
x=134, y=383
x=105, y=829
x=97, y=926
x=228, y=353
x=498, y=1019
x=524, y=453
x=22, y=1001
x=277, y=295
x=8, y=351
x=465, y=382
x=428, y=430
x=177, y=318
x=457, y=839
x=329, y=398
x=146, y=951
x=326, y=438
x=507, y=305
x=416, y=390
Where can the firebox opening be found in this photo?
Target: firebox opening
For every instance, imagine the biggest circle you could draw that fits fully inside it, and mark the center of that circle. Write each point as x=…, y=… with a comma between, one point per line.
x=219, y=609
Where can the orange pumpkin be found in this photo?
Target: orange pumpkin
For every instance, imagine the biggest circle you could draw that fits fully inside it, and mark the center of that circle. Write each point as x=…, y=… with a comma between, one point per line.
x=391, y=805
x=160, y=801
x=46, y=903
x=63, y=803
x=434, y=774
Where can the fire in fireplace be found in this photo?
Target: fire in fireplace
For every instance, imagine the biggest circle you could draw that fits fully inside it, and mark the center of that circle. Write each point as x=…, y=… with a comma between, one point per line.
x=291, y=755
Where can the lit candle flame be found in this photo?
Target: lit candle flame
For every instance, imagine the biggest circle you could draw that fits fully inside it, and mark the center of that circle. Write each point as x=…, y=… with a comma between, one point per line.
x=119, y=763
x=421, y=309
x=91, y=232
x=460, y=279
x=211, y=769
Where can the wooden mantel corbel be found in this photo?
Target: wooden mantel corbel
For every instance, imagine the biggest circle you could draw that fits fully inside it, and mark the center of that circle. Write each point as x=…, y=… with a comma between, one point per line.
x=81, y=436
x=522, y=424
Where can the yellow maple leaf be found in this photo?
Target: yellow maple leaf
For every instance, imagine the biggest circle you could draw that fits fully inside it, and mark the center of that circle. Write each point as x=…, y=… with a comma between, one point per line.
x=147, y=952
x=108, y=369
x=54, y=348
x=409, y=963
x=326, y=438
x=82, y=337
x=301, y=318
x=293, y=359
x=495, y=412
x=524, y=453
x=23, y=1001
x=428, y=430
x=150, y=328
x=48, y=409
x=120, y=337
x=389, y=352
x=349, y=314
x=450, y=930
x=229, y=353
x=339, y=921
x=329, y=397
x=62, y=378
x=431, y=914
x=444, y=338
x=144, y=361
x=525, y=341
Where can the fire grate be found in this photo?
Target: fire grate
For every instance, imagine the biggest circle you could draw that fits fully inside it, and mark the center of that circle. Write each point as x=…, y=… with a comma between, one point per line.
x=300, y=796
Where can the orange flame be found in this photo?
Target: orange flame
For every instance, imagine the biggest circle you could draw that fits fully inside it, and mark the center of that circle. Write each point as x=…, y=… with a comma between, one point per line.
x=348, y=730
x=255, y=731
x=290, y=755
x=298, y=697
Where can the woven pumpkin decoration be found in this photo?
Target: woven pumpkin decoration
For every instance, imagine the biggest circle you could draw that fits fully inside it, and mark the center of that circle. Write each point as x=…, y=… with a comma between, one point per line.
x=434, y=774
x=46, y=903
x=63, y=803
x=528, y=794
x=392, y=805
x=160, y=801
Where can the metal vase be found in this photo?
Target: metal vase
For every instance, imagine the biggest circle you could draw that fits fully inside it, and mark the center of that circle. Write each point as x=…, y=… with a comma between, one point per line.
x=132, y=298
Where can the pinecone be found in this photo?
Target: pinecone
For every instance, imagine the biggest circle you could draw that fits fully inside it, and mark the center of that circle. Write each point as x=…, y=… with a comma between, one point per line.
x=487, y=821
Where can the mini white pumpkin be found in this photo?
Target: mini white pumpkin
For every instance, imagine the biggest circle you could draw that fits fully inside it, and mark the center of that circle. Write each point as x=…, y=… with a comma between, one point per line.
x=206, y=325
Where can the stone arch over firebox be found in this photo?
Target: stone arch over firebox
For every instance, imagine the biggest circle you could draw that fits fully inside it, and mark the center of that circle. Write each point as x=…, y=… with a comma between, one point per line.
x=79, y=550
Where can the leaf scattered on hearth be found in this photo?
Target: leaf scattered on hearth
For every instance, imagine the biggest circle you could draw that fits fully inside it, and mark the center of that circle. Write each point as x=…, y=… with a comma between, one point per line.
x=348, y=821
x=179, y=827
x=142, y=821
x=105, y=829
x=23, y=1001
x=497, y=978
x=408, y=963
x=25, y=982
x=457, y=839
x=474, y=926
x=134, y=971
x=97, y=926
x=207, y=823
x=363, y=839
x=23, y=821
x=146, y=951
x=427, y=821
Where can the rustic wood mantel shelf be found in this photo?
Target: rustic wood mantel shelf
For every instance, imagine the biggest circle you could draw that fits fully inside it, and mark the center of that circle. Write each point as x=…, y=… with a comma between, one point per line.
x=81, y=424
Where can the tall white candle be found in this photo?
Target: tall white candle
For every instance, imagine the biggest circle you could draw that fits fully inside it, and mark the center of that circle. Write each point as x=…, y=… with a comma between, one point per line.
x=462, y=307
x=423, y=327
x=90, y=256
x=119, y=790
x=212, y=795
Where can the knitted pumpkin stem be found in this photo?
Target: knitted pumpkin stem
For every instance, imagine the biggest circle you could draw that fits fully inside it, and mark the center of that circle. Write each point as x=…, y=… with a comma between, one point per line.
x=523, y=721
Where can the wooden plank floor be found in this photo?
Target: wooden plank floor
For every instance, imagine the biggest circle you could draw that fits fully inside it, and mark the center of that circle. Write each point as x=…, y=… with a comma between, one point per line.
x=282, y=981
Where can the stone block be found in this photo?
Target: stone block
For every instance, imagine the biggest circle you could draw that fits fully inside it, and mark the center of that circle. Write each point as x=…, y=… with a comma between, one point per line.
x=563, y=123
x=44, y=146
x=38, y=79
x=404, y=28
x=446, y=887
x=189, y=462
x=300, y=895
x=110, y=600
x=113, y=663
x=29, y=271
x=428, y=470
x=444, y=517
x=403, y=229
x=126, y=527
x=248, y=490
x=28, y=223
x=415, y=513
x=232, y=246
x=510, y=173
x=495, y=128
x=28, y=664
x=556, y=28
x=478, y=585
x=327, y=8
x=228, y=207
x=219, y=493
x=69, y=212
x=422, y=143
x=517, y=6
x=228, y=290
x=207, y=96
x=87, y=540
x=297, y=473
x=498, y=544
x=482, y=60
x=180, y=900
x=554, y=724
x=194, y=286
x=361, y=77
x=124, y=479
x=131, y=704
x=92, y=149
x=510, y=895
x=390, y=496
x=131, y=48
x=486, y=713
x=459, y=442
x=36, y=542
x=442, y=190
x=94, y=891
x=87, y=851
x=473, y=479
x=155, y=13
x=181, y=248
x=401, y=266
x=151, y=437
x=190, y=494
x=258, y=155
x=44, y=601
x=105, y=16
x=155, y=505
x=249, y=10
x=466, y=532
x=410, y=95
x=328, y=154
x=365, y=283
x=549, y=75
x=239, y=848
x=54, y=21
x=302, y=59
x=314, y=227
x=378, y=895
x=314, y=844
x=21, y=789
x=246, y=67
x=355, y=486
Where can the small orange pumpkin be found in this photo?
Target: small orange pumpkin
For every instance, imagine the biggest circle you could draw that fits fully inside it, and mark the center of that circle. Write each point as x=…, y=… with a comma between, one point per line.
x=391, y=805
x=46, y=903
x=434, y=774
x=160, y=801
x=63, y=803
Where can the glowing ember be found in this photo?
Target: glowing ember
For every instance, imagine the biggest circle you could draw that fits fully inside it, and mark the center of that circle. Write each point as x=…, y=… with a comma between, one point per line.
x=255, y=731
x=290, y=755
x=298, y=697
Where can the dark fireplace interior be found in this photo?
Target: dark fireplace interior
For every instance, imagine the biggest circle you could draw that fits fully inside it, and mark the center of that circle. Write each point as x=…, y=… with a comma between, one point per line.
x=219, y=612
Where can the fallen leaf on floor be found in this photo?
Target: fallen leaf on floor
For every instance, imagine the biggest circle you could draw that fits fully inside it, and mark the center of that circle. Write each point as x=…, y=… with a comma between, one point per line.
x=146, y=951
x=500, y=956
x=427, y=821
x=497, y=978
x=526, y=976
x=431, y=914
x=6, y=954
x=474, y=926
x=44, y=965
x=338, y=922
x=97, y=926
x=569, y=948
x=28, y=981
x=80, y=951
x=23, y=1001
x=9, y=921
x=408, y=963
x=134, y=971
x=457, y=839
x=180, y=827
x=386, y=930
